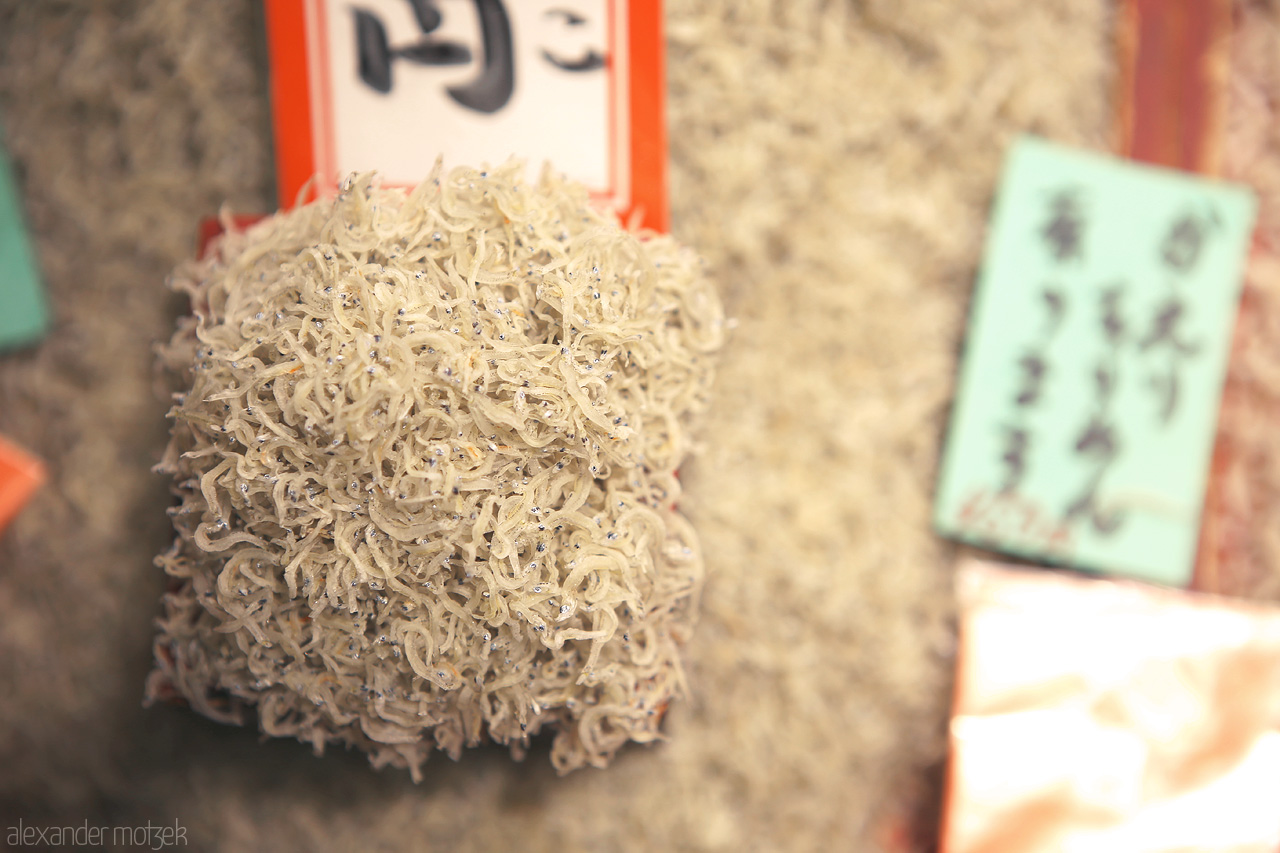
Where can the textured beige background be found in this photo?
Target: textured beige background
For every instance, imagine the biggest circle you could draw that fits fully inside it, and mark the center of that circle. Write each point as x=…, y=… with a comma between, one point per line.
x=833, y=161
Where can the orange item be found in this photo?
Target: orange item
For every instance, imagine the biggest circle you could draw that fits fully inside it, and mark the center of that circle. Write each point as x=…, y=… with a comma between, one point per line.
x=1172, y=62
x=20, y=475
x=212, y=226
x=1111, y=717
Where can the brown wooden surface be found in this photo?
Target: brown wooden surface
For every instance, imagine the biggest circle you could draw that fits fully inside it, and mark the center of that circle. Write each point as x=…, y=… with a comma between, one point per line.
x=1172, y=62
x=1172, y=67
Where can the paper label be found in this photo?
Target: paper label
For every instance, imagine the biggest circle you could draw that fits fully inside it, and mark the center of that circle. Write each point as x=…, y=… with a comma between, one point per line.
x=1097, y=345
x=1110, y=717
x=24, y=316
x=389, y=85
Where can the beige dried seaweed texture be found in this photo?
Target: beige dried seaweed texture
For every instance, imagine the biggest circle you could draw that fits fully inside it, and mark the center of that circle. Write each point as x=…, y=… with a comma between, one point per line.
x=426, y=469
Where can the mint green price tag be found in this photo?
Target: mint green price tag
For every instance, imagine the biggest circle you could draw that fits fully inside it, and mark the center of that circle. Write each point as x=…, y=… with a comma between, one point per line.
x=24, y=316
x=1097, y=345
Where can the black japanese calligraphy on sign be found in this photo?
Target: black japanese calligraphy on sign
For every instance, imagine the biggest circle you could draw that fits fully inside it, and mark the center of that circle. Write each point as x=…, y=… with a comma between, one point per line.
x=1035, y=368
x=1098, y=442
x=1017, y=440
x=1164, y=336
x=1180, y=251
x=493, y=86
x=1062, y=233
x=1165, y=339
x=1182, y=245
x=487, y=93
x=590, y=60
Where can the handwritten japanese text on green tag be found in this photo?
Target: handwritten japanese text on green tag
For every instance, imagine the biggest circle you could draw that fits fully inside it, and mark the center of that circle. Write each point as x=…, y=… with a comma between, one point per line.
x=1096, y=350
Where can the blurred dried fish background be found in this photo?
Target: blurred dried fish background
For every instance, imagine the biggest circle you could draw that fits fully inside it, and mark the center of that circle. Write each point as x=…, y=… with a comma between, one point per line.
x=832, y=160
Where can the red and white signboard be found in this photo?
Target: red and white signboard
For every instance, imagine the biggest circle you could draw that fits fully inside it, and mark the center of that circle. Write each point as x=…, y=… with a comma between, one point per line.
x=390, y=85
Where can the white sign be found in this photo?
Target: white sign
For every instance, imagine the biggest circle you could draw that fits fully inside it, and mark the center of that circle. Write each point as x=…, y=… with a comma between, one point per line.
x=390, y=85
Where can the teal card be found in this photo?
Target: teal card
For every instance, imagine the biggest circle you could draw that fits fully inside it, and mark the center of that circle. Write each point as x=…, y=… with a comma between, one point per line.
x=1098, y=341
x=24, y=316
